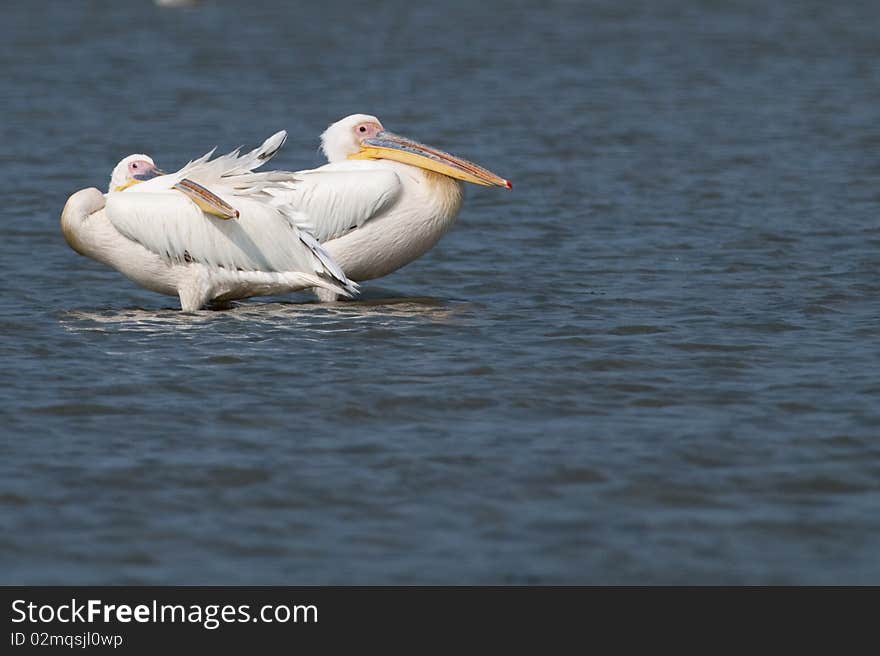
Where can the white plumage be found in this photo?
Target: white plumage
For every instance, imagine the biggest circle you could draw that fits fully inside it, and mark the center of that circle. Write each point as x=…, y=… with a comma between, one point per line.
x=382, y=201
x=336, y=198
x=160, y=238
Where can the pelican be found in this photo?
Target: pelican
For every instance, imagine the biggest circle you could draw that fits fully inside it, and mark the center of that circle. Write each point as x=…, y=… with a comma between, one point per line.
x=211, y=232
x=382, y=201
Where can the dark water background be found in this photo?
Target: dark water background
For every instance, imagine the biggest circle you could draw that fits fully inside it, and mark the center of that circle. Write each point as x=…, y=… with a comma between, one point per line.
x=654, y=361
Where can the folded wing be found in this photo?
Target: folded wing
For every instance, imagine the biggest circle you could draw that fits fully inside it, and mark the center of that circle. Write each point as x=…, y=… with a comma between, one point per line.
x=265, y=237
x=337, y=198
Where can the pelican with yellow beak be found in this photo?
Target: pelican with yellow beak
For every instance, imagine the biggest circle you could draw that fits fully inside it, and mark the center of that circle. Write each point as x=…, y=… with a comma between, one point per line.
x=213, y=231
x=383, y=200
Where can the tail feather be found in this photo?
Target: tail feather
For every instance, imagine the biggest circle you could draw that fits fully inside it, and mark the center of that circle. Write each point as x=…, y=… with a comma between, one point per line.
x=329, y=264
x=258, y=156
x=320, y=282
x=226, y=169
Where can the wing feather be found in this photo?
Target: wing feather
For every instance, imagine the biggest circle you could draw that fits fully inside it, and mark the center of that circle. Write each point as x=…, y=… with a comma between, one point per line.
x=264, y=238
x=331, y=200
x=230, y=171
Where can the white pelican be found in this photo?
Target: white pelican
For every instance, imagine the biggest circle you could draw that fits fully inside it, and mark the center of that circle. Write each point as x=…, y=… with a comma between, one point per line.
x=170, y=233
x=383, y=200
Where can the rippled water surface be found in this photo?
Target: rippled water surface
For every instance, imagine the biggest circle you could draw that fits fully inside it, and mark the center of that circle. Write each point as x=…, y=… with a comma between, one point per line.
x=655, y=360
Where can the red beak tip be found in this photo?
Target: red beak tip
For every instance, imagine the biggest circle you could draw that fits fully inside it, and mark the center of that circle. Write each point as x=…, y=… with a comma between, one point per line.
x=508, y=184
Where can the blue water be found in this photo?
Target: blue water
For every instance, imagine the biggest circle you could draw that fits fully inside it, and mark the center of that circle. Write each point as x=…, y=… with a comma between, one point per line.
x=655, y=360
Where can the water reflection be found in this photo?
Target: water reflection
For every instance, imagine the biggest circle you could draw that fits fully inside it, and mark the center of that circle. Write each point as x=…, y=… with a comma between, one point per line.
x=333, y=317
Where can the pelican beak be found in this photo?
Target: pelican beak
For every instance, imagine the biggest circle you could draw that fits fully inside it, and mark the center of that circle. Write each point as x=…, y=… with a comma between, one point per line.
x=149, y=175
x=141, y=177
x=208, y=202
x=387, y=145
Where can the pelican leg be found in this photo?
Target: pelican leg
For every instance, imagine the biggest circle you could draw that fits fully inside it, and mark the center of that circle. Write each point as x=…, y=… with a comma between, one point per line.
x=325, y=295
x=194, y=293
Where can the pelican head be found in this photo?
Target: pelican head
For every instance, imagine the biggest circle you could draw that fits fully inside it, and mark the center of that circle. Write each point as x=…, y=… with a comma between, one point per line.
x=131, y=170
x=361, y=136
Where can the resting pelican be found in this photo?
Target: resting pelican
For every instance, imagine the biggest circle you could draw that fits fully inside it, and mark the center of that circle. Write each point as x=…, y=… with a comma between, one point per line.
x=212, y=231
x=383, y=200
